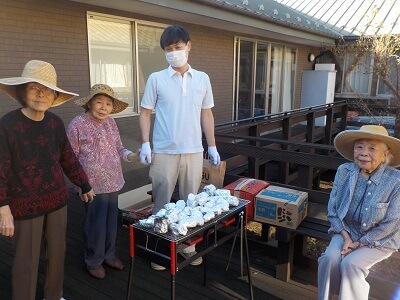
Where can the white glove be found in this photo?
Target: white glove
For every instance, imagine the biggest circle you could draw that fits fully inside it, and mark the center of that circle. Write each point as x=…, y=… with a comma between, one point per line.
x=214, y=156
x=145, y=154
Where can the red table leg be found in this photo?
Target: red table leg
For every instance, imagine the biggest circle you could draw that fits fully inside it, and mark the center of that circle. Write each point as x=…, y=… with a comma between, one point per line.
x=173, y=255
x=132, y=255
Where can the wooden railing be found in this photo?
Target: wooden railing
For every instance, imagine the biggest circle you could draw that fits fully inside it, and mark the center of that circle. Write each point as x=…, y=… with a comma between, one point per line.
x=288, y=147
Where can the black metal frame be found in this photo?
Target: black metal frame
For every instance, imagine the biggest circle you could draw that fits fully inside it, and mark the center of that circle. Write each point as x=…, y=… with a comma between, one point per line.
x=163, y=248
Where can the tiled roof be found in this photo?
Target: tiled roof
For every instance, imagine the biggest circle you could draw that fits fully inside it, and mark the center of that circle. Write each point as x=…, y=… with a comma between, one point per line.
x=327, y=17
x=275, y=12
x=352, y=16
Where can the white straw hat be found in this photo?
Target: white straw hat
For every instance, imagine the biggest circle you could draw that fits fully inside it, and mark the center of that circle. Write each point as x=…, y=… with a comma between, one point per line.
x=36, y=71
x=103, y=89
x=344, y=141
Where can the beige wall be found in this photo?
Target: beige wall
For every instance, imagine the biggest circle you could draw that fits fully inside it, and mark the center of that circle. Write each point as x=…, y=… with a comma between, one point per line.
x=55, y=31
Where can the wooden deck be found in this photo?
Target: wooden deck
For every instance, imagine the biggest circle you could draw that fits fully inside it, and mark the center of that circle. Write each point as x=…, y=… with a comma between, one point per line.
x=149, y=284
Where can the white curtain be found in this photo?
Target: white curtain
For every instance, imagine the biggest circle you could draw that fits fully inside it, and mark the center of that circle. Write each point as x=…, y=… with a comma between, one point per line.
x=359, y=78
x=276, y=78
x=287, y=81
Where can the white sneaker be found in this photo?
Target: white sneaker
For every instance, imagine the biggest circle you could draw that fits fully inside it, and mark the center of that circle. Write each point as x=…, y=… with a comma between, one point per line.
x=196, y=262
x=157, y=267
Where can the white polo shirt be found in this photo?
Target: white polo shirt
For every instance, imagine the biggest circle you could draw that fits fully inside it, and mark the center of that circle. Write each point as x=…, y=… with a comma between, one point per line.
x=178, y=101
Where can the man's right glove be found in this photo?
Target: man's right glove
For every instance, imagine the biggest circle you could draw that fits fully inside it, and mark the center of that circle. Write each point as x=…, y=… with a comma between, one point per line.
x=145, y=154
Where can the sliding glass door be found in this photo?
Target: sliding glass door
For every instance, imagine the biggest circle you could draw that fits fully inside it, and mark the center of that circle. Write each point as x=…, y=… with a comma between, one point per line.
x=264, y=78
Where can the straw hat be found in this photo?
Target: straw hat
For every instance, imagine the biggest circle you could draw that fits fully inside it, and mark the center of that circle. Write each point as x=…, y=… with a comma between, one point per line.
x=118, y=105
x=36, y=71
x=344, y=141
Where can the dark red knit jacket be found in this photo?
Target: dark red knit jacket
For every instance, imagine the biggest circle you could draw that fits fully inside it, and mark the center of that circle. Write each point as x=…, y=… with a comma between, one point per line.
x=34, y=155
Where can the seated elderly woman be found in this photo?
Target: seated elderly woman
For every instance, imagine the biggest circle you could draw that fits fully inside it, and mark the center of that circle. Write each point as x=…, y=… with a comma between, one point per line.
x=364, y=212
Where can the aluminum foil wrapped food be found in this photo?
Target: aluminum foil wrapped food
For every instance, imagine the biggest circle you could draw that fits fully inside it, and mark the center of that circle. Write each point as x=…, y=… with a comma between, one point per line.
x=161, y=225
x=169, y=206
x=223, y=205
x=209, y=189
x=149, y=222
x=208, y=214
x=202, y=198
x=187, y=211
x=198, y=216
x=188, y=222
x=177, y=228
x=197, y=210
x=172, y=215
x=233, y=200
x=222, y=200
x=192, y=201
x=180, y=204
x=222, y=192
x=209, y=204
x=161, y=213
x=217, y=209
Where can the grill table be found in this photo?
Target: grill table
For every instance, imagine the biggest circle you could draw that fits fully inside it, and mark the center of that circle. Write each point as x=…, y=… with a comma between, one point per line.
x=163, y=248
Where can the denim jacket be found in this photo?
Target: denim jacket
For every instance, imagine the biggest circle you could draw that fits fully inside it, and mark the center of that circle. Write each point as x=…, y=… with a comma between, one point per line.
x=381, y=216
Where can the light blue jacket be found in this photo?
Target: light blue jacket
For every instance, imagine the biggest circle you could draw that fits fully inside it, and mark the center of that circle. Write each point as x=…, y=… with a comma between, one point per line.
x=381, y=215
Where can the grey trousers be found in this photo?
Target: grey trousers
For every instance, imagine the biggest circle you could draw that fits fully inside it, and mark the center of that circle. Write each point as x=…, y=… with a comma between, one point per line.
x=347, y=276
x=166, y=169
x=27, y=241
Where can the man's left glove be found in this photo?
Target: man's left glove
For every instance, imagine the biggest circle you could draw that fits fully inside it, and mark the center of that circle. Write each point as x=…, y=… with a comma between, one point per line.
x=214, y=156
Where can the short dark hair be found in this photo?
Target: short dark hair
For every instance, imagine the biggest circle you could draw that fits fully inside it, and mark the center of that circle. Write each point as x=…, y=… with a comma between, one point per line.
x=172, y=35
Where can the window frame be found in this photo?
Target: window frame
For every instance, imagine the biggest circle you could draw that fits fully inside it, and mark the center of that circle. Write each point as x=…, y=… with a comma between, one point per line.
x=355, y=94
x=133, y=22
x=236, y=79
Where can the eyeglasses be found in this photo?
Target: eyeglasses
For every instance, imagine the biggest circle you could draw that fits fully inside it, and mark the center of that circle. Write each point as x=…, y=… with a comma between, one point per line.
x=45, y=90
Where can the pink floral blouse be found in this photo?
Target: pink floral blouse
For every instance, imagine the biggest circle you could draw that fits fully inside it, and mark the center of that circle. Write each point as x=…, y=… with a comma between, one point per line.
x=98, y=146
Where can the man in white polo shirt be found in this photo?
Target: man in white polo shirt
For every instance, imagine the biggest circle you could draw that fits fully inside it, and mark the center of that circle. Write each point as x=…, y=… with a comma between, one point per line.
x=182, y=99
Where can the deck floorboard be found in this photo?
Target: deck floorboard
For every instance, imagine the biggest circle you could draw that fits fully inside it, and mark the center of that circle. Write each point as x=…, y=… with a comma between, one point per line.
x=149, y=284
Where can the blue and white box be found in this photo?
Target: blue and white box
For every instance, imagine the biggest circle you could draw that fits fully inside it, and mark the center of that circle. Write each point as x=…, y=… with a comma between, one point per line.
x=281, y=206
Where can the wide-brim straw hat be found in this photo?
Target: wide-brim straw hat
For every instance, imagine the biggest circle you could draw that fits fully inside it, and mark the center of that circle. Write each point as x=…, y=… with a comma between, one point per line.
x=102, y=89
x=37, y=71
x=344, y=141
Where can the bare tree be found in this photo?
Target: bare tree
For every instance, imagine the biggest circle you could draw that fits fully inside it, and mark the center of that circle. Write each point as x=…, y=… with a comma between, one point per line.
x=377, y=54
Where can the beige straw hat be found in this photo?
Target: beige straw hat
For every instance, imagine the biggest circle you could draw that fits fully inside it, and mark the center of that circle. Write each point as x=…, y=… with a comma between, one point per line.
x=36, y=71
x=118, y=105
x=344, y=141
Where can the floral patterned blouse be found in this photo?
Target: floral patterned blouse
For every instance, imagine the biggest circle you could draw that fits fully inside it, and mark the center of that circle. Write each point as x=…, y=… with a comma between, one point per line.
x=98, y=146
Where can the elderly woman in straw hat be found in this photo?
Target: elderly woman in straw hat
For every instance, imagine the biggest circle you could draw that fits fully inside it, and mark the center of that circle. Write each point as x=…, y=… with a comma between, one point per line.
x=96, y=141
x=34, y=154
x=364, y=212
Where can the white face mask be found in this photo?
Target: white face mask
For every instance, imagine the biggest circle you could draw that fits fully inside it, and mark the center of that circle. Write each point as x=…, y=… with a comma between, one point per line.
x=176, y=59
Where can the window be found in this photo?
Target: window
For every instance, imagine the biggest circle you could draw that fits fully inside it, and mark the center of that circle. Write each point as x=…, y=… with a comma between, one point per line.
x=265, y=78
x=123, y=54
x=393, y=77
x=356, y=74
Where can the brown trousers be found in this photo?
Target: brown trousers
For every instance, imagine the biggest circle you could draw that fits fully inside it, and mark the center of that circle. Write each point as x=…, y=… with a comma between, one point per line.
x=27, y=241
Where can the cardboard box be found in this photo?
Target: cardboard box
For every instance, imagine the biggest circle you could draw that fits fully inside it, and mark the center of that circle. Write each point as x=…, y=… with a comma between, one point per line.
x=247, y=188
x=281, y=206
